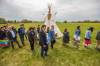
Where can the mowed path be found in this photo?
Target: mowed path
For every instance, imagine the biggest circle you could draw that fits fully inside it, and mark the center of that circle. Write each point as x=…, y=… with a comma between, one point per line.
x=59, y=56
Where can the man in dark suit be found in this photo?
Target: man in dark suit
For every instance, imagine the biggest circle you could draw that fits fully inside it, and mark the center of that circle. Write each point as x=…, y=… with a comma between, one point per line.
x=31, y=37
x=12, y=36
x=43, y=41
x=21, y=32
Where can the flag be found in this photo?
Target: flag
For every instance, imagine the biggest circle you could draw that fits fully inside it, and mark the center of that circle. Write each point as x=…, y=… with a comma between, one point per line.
x=4, y=43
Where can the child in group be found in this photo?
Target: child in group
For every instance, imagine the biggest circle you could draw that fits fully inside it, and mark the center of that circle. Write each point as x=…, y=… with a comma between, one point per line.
x=88, y=33
x=98, y=40
x=77, y=37
x=66, y=37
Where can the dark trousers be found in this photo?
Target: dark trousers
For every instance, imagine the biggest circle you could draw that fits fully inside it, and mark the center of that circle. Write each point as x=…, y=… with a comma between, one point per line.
x=32, y=44
x=22, y=39
x=52, y=43
x=26, y=36
x=98, y=44
x=14, y=40
x=44, y=50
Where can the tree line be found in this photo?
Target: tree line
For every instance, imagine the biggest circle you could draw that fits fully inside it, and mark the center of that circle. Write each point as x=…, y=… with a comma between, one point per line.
x=4, y=21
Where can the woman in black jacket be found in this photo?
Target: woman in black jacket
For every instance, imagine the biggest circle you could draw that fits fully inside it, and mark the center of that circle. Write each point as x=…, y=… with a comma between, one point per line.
x=66, y=37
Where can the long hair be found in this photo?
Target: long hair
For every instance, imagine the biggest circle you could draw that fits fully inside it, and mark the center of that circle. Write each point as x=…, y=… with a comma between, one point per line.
x=91, y=29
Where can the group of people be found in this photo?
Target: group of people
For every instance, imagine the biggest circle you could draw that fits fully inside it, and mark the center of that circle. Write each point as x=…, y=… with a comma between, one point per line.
x=77, y=38
x=44, y=36
x=41, y=35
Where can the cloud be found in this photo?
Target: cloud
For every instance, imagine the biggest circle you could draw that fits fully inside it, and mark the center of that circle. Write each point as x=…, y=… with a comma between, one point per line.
x=66, y=9
x=79, y=9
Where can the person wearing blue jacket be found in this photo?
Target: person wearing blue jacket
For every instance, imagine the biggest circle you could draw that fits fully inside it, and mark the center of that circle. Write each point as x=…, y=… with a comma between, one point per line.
x=21, y=32
x=88, y=37
x=52, y=36
x=77, y=36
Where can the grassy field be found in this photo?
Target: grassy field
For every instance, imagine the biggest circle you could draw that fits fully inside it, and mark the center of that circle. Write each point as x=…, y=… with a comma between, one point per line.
x=59, y=56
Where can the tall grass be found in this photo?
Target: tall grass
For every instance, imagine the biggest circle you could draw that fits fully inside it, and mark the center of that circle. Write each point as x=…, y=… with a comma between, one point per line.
x=59, y=56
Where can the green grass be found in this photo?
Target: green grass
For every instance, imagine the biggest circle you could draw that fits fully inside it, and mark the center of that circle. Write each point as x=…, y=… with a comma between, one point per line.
x=59, y=56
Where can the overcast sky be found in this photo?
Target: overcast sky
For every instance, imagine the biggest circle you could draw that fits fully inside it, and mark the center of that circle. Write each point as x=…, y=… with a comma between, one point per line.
x=66, y=9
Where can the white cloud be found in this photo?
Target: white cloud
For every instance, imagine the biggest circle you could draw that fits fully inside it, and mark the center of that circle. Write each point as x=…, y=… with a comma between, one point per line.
x=66, y=9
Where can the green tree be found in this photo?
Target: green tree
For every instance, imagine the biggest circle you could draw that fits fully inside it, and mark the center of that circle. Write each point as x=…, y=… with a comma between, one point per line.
x=65, y=21
x=2, y=20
